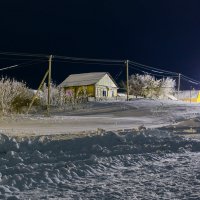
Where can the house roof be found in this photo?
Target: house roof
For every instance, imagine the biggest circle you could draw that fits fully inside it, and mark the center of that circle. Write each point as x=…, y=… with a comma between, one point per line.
x=84, y=79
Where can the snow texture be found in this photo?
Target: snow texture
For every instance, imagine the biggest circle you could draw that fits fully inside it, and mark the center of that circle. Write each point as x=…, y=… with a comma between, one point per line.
x=104, y=115
x=145, y=164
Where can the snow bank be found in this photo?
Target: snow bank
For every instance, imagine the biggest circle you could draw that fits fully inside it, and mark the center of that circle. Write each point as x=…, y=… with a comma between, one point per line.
x=148, y=141
x=42, y=168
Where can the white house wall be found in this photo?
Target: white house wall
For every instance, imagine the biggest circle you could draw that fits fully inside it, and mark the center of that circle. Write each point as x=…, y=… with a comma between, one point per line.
x=106, y=81
x=106, y=84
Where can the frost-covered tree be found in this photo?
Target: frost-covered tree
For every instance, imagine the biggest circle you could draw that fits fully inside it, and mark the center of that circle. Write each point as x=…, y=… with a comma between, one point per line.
x=149, y=86
x=136, y=85
x=167, y=87
x=143, y=85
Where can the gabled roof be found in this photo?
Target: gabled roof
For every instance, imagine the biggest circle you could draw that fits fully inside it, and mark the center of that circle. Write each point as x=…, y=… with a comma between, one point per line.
x=84, y=79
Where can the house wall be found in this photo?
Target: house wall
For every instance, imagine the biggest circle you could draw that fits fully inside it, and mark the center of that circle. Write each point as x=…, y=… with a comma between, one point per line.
x=90, y=89
x=106, y=81
x=106, y=88
x=103, y=92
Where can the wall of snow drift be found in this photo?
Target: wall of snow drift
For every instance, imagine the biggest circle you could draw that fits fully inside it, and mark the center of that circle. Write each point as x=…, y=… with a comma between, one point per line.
x=45, y=168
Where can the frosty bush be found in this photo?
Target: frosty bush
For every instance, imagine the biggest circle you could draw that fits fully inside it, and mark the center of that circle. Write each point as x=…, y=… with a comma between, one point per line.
x=149, y=86
x=75, y=100
x=61, y=99
x=14, y=96
x=55, y=97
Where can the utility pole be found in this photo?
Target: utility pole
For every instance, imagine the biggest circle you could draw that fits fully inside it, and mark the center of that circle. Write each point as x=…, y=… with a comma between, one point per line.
x=38, y=90
x=127, y=79
x=179, y=84
x=49, y=85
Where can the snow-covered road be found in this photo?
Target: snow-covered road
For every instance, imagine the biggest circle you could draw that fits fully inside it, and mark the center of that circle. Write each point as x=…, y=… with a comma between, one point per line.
x=103, y=115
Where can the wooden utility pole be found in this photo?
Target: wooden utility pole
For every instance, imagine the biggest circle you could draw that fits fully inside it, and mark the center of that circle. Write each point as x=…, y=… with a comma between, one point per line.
x=127, y=79
x=49, y=85
x=179, y=84
x=38, y=90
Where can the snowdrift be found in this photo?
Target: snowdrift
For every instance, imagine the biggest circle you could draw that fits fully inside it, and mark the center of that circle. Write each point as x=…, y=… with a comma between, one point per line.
x=95, y=166
x=108, y=143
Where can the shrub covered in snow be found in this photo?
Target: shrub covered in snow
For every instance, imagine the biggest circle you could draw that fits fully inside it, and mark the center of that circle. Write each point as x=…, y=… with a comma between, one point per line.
x=55, y=97
x=75, y=100
x=149, y=86
x=62, y=99
x=14, y=96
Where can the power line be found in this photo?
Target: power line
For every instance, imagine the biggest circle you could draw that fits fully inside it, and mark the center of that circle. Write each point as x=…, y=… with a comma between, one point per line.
x=87, y=62
x=20, y=65
x=186, y=77
x=96, y=61
x=118, y=75
x=193, y=82
x=15, y=59
x=153, y=69
x=61, y=57
x=24, y=54
x=145, y=72
x=10, y=67
x=89, y=59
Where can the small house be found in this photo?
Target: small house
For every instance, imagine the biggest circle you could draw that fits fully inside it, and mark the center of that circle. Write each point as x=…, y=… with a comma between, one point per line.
x=189, y=96
x=96, y=84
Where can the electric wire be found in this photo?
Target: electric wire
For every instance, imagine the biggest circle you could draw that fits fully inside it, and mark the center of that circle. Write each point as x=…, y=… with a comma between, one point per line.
x=24, y=54
x=13, y=59
x=193, y=82
x=151, y=68
x=154, y=71
x=10, y=67
x=191, y=79
x=20, y=65
x=97, y=61
x=89, y=59
x=61, y=57
x=118, y=75
x=145, y=72
x=85, y=62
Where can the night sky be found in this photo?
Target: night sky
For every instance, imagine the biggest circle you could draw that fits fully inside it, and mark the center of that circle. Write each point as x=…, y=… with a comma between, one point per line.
x=164, y=34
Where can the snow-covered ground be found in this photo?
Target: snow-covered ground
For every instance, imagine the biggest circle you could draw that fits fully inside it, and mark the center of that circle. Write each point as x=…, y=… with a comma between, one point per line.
x=149, y=164
x=151, y=159
x=103, y=115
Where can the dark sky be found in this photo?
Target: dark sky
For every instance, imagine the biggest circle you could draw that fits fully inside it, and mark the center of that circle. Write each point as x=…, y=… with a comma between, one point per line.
x=160, y=33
